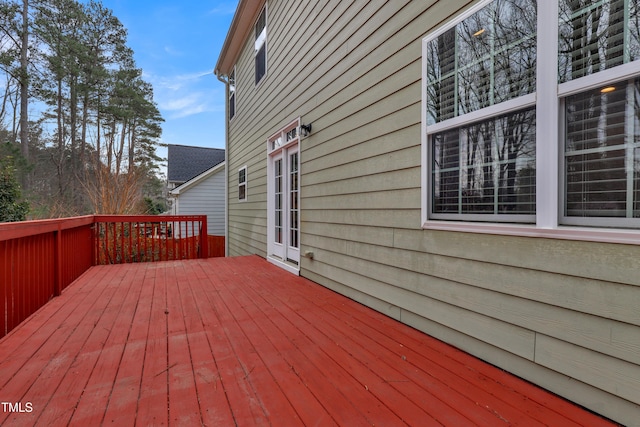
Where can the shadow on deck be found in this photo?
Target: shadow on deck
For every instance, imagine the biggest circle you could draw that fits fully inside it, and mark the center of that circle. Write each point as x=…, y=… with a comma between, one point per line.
x=237, y=341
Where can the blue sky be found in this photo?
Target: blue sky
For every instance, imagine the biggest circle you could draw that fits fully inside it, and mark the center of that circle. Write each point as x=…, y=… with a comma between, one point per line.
x=176, y=43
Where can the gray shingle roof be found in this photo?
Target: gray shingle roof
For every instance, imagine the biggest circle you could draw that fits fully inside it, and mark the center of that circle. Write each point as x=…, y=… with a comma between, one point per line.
x=185, y=162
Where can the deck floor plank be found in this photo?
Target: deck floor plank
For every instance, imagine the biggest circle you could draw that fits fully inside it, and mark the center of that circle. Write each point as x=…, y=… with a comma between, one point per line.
x=385, y=373
x=355, y=383
x=368, y=344
x=130, y=324
x=308, y=410
x=153, y=400
x=109, y=345
x=246, y=371
x=55, y=346
x=478, y=374
x=182, y=320
x=37, y=331
x=86, y=355
x=398, y=390
x=212, y=397
x=237, y=341
x=483, y=378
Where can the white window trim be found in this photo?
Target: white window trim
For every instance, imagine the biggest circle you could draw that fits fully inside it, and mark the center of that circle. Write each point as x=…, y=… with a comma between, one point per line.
x=245, y=183
x=278, y=140
x=549, y=151
x=602, y=78
x=547, y=109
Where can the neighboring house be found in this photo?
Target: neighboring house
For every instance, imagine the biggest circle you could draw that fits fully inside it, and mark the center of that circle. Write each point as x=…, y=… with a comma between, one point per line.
x=203, y=195
x=464, y=173
x=186, y=162
x=196, y=181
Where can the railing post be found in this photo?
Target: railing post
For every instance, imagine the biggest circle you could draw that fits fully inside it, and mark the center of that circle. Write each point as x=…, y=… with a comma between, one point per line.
x=204, y=239
x=57, y=261
x=94, y=241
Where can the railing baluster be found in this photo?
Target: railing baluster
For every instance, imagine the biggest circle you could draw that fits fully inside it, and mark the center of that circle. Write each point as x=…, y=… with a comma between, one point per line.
x=123, y=255
x=144, y=241
x=140, y=243
x=172, y=242
x=165, y=240
x=192, y=238
x=154, y=233
x=113, y=244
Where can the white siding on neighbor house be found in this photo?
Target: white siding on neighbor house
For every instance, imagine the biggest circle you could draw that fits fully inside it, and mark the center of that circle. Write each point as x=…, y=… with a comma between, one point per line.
x=206, y=197
x=562, y=314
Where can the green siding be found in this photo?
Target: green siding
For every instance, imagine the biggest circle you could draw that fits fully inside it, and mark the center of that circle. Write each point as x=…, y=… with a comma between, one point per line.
x=563, y=314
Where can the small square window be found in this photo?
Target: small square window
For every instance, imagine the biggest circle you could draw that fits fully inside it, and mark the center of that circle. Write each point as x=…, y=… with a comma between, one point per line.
x=242, y=184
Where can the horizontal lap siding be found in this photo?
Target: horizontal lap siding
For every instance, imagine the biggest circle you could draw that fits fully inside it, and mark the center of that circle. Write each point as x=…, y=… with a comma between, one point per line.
x=527, y=305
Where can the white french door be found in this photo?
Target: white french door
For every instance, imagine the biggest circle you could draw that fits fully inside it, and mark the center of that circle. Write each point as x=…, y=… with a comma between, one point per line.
x=283, y=207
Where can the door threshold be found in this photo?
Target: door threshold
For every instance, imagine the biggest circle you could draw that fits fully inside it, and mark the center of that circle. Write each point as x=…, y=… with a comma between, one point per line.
x=290, y=267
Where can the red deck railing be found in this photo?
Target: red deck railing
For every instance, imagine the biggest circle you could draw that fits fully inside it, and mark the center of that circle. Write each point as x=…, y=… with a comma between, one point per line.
x=38, y=259
x=126, y=239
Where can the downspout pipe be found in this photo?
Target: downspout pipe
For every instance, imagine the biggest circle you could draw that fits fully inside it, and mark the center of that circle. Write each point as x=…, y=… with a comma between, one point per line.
x=225, y=79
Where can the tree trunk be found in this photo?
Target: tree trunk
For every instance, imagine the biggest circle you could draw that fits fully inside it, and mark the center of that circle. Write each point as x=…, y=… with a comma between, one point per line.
x=123, y=136
x=61, y=154
x=132, y=145
x=24, y=91
x=83, y=131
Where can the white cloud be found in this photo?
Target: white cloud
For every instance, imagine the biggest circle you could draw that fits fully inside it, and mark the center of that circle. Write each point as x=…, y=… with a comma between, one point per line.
x=187, y=105
x=186, y=94
x=171, y=51
x=177, y=82
x=228, y=8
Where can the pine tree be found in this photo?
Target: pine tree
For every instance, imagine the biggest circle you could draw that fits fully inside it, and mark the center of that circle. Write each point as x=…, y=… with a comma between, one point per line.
x=11, y=208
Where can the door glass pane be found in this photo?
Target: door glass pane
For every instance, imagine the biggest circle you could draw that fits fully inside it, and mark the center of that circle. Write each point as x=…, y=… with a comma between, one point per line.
x=278, y=200
x=293, y=200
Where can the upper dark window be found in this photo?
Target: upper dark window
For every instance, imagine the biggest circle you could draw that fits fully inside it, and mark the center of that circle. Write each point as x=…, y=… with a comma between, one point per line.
x=261, y=45
x=232, y=94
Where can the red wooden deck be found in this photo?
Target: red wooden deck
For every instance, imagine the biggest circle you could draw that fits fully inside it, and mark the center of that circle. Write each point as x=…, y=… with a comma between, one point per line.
x=237, y=341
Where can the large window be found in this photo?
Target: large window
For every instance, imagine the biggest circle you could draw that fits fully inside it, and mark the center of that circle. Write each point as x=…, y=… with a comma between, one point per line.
x=490, y=149
x=598, y=44
x=480, y=77
x=261, y=45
